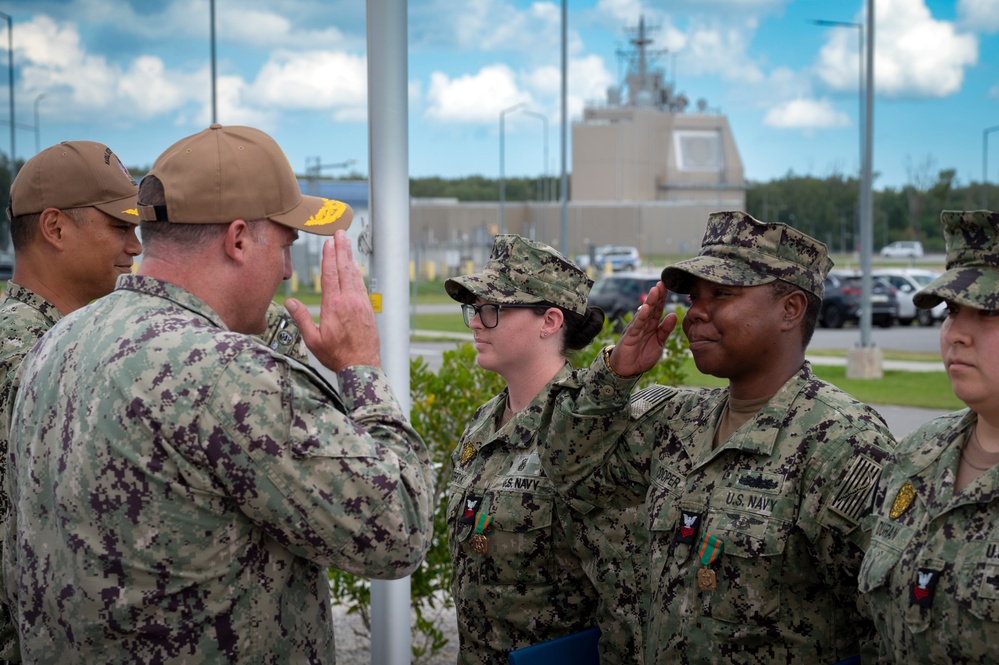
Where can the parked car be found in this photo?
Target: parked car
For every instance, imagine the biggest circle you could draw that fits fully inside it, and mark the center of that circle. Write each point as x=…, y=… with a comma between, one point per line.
x=907, y=281
x=620, y=258
x=620, y=293
x=841, y=302
x=903, y=249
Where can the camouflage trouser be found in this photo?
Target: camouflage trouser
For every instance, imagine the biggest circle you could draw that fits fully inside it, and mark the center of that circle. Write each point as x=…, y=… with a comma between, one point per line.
x=9, y=649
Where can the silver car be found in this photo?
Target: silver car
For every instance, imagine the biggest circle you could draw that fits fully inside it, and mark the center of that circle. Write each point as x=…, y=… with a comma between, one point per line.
x=907, y=281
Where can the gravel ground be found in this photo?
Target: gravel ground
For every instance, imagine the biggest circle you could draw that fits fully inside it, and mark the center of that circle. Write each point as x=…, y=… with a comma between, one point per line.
x=354, y=649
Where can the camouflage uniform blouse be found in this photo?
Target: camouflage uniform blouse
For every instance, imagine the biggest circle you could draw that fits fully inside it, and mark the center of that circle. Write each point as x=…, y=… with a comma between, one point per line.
x=179, y=490
x=932, y=571
x=784, y=494
x=24, y=318
x=528, y=586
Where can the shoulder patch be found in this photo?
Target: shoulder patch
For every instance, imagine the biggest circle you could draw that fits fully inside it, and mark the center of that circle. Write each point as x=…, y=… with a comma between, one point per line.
x=853, y=499
x=646, y=399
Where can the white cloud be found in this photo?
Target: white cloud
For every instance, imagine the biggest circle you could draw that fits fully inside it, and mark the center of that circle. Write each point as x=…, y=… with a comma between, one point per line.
x=54, y=62
x=979, y=15
x=915, y=54
x=475, y=98
x=722, y=51
x=806, y=114
x=479, y=97
x=533, y=32
x=314, y=80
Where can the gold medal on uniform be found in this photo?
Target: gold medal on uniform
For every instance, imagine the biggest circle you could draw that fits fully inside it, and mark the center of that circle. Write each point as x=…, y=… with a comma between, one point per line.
x=711, y=550
x=479, y=542
x=706, y=579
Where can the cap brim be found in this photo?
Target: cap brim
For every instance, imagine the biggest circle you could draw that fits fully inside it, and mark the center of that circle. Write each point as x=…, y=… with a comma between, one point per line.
x=126, y=209
x=977, y=288
x=313, y=214
x=466, y=288
x=680, y=276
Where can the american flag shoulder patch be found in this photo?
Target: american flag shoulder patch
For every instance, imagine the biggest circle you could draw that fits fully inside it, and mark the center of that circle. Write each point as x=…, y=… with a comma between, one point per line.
x=646, y=399
x=856, y=489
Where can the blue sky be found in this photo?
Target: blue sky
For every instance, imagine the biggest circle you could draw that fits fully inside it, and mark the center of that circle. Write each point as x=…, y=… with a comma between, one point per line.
x=136, y=75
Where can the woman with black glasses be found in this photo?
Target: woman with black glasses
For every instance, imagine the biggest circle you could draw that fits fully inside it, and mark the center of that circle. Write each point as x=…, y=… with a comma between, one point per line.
x=516, y=579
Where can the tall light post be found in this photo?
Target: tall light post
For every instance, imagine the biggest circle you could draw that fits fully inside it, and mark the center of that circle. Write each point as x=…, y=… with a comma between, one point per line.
x=866, y=96
x=544, y=164
x=564, y=180
x=860, y=74
x=502, y=183
x=38, y=144
x=10, y=71
x=985, y=165
x=212, y=21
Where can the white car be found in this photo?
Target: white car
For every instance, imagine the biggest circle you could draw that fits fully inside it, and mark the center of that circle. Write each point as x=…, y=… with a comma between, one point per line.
x=903, y=249
x=907, y=281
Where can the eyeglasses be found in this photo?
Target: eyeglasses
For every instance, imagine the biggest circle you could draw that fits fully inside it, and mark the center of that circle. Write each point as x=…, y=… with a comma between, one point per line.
x=488, y=313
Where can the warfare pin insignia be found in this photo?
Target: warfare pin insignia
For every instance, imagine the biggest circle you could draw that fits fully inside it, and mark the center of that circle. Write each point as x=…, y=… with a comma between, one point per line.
x=902, y=500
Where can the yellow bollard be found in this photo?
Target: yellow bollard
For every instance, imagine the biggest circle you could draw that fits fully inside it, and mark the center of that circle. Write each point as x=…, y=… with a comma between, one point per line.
x=431, y=271
x=294, y=282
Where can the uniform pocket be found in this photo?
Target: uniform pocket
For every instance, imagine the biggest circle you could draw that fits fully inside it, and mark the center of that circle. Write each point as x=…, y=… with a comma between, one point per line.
x=519, y=538
x=883, y=554
x=977, y=583
x=751, y=568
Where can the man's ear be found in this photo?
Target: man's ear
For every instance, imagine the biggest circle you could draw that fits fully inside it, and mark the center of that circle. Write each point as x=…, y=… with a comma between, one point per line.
x=236, y=240
x=52, y=227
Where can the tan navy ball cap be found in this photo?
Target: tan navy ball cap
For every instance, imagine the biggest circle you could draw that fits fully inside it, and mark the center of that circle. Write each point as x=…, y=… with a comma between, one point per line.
x=74, y=174
x=227, y=173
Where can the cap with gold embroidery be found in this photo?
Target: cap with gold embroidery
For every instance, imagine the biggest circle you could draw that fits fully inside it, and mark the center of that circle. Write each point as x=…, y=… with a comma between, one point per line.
x=225, y=173
x=74, y=174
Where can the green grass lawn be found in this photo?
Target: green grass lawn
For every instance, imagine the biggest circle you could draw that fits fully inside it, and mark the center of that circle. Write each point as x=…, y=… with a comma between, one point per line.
x=928, y=390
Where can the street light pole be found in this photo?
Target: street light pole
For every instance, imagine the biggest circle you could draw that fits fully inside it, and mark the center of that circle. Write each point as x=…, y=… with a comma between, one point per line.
x=544, y=164
x=38, y=144
x=985, y=165
x=502, y=183
x=214, y=105
x=564, y=180
x=866, y=195
x=865, y=95
x=10, y=71
x=860, y=75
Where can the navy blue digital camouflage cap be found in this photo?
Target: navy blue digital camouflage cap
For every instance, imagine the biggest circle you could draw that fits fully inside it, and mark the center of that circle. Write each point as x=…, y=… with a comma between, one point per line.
x=521, y=272
x=741, y=251
x=972, y=276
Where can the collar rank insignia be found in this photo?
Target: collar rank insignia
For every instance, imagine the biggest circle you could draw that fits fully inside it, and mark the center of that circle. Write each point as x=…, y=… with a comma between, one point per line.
x=471, y=506
x=902, y=500
x=687, y=533
x=922, y=591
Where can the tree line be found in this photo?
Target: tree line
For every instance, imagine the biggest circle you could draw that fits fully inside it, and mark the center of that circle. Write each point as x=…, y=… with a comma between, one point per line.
x=826, y=208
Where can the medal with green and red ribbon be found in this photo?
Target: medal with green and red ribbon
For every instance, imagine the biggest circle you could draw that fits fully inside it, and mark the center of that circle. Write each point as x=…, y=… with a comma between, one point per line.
x=479, y=542
x=711, y=551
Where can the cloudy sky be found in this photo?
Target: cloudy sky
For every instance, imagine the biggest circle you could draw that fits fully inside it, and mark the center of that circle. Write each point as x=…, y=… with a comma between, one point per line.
x=135, y=74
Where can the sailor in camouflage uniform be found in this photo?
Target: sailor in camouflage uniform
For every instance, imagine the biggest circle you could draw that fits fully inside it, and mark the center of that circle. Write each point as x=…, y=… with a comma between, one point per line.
x=756, y=491
x=72, y=224
x=932, y=571
x=179, y=489
x=518, y=575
